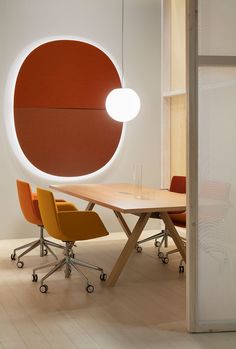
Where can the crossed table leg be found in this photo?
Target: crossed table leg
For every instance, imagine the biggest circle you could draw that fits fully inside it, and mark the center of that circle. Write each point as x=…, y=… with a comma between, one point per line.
x=133, y=238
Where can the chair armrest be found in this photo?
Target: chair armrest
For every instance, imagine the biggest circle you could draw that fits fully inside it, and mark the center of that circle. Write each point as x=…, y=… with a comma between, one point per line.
x=65, y=206
x=81, y=225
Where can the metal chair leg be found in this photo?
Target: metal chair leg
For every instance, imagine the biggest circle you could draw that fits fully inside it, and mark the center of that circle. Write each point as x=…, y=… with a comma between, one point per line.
x=44, y=246
x=33, y=246
x=155, y=237
x=53, y=270
x=69, y=261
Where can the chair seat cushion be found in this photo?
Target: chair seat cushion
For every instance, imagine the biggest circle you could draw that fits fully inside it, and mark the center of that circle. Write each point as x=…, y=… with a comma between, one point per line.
x=179, y=219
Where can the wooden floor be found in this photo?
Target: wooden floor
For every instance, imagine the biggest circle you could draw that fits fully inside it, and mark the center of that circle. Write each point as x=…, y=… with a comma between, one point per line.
x=145, y=310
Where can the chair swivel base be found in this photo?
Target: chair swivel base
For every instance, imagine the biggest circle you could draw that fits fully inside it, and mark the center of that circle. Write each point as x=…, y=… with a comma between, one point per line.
x=165, y=257
x=68, y=261
x=164, y=241
x=163, y=235
x=44, y=245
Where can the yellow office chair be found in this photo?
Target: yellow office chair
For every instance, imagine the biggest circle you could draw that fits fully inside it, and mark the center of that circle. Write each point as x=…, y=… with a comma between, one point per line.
x=68, y=226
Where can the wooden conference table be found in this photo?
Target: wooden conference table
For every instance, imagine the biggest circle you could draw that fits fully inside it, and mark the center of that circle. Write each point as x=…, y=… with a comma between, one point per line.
x=121, y=198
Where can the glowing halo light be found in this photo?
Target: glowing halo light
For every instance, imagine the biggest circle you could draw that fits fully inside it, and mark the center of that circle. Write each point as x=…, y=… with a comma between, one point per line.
x=9, y=123
x=123, y=104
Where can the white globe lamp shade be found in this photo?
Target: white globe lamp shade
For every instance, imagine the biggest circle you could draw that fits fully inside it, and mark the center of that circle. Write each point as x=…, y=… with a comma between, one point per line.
x=123, y=104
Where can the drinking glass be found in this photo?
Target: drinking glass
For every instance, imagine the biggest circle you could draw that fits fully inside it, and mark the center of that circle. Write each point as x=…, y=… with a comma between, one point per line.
x=137, y=180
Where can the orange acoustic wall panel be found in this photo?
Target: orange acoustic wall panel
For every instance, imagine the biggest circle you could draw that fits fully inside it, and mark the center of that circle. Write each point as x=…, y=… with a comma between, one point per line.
x=59, y=108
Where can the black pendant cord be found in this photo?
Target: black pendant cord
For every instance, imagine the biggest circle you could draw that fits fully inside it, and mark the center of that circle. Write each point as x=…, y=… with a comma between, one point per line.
x=122, y=45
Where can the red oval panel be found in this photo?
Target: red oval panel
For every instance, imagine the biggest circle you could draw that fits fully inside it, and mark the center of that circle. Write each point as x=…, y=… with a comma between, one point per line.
x=59, y=108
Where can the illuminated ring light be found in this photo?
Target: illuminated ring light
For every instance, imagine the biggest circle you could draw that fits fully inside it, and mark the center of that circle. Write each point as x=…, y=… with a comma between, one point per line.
x=14, y=132
x=123, y=104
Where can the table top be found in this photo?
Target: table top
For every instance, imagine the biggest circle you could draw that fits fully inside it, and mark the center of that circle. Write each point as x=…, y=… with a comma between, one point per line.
x=123, y=198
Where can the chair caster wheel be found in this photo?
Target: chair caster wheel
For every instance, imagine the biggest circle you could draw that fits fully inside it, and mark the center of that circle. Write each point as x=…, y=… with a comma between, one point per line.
x=157, y=243
x=103, y=277
x=20, y=264
x=72, y=255
x=139, y=249
x=45, y=252
x=67, y=273
x=181, y=269
x=165, y=260
x=90, y=288
x=34, y=277
x=13, y=256
x=160, y=255
x=43, y=288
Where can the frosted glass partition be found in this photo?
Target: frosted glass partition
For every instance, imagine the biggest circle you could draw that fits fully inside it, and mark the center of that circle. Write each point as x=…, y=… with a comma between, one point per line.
x=217, y=27
x=217, y=195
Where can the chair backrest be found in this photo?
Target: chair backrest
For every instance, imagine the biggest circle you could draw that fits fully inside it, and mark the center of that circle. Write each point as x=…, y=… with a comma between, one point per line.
x=49, y=212
x=178, y=184
x=28, y=203
x=69, y=224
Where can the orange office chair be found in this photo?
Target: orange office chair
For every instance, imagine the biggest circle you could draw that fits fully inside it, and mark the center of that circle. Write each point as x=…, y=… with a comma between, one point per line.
x=68, y=226
x=178, y=185
x=29, y=206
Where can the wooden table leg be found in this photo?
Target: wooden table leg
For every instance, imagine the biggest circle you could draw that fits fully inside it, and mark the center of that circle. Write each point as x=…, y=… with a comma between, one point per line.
x=123, y=223
x=128, y=249
x=90, y=206
x=174, y=234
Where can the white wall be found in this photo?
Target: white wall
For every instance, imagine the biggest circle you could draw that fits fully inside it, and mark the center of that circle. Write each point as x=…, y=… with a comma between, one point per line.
x=25, y=21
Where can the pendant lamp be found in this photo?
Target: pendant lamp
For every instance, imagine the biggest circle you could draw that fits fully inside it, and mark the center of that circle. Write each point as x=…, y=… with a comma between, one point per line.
x=123, y=104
